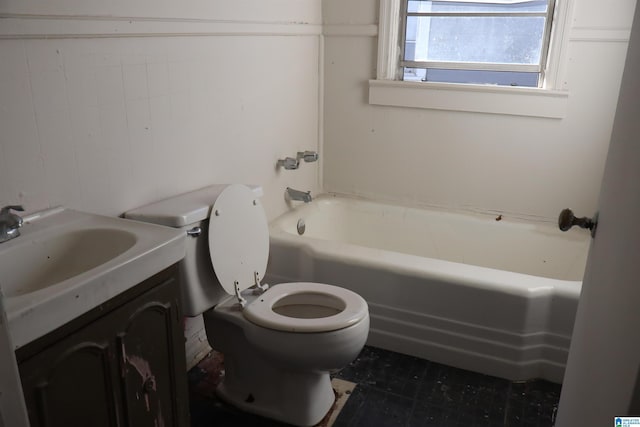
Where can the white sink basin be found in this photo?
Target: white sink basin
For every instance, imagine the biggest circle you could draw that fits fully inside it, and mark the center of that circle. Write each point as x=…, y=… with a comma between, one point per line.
x=66, y=262
x=58, y=256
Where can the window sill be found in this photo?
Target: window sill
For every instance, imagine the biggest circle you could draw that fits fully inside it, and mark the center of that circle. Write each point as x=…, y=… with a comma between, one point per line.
x=515, y=101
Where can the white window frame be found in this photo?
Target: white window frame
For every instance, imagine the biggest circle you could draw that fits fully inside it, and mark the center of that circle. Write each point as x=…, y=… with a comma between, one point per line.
x=549, y=100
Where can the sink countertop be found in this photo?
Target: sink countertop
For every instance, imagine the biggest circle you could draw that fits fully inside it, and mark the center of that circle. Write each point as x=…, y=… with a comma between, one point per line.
x=36, y=311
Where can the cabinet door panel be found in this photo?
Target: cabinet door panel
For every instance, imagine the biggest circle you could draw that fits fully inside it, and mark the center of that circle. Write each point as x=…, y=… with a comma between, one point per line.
x=73, y=388
x=151, y=356
x=147, y=364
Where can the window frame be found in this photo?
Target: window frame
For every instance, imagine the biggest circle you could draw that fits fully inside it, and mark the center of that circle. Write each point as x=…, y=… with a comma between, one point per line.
x=389, y=89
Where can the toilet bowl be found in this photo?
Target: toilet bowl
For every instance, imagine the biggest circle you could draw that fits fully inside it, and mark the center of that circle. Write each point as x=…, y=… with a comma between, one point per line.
x=280, y=343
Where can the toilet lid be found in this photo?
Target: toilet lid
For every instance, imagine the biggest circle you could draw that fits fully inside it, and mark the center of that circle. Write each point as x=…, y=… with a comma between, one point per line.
x=238, y=238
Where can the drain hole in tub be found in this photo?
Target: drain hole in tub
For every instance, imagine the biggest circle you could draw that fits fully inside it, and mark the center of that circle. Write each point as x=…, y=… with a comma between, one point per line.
x=301, y=226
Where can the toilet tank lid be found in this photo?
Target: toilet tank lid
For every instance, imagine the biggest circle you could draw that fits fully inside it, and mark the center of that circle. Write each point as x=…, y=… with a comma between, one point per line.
x=183, y=209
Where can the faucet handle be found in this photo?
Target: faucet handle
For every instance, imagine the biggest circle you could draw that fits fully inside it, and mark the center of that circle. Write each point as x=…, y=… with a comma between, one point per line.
x=5, y=210
x=307, y=156
x=288, y=163
x=10, y=223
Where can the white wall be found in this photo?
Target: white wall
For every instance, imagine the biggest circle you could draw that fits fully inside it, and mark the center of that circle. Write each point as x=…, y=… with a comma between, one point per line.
x=532, y=167
x=100, y=102
x=283, y=11
x=105, y=106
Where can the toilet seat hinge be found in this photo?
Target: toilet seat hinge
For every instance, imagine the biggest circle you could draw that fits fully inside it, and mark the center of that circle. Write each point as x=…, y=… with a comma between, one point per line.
x=241, y=299
x=261, y=287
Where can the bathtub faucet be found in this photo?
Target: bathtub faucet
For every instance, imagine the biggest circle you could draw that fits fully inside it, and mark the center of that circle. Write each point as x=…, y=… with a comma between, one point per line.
x=291, y=163
x=299, y=195
x=307, y=156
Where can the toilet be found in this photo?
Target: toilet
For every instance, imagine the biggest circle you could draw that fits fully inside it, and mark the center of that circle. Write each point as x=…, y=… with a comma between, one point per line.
x=280, y=342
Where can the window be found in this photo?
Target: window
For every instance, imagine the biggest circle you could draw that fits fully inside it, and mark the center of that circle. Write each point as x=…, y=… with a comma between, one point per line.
x=487, y=56
x=500, y=42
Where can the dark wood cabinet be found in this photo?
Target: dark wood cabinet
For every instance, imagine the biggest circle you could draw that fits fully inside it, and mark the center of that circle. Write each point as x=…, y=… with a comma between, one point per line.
x=121, y=364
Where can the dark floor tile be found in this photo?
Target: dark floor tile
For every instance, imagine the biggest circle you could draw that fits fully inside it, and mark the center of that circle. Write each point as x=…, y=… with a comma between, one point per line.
x=398, y=390
x=463, y=412
x=433, y=416
x=353, y=408
x=477, y=398
x=381, y=408
x=533, y=403
x=392, y=372
x=363, y=368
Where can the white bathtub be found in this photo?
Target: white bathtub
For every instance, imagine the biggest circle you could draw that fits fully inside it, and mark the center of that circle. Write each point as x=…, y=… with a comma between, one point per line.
x=492, y=296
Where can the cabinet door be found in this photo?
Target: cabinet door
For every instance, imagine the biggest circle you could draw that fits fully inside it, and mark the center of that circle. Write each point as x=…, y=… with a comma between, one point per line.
x=124, y=368
x=72, y=384
x=152, y=361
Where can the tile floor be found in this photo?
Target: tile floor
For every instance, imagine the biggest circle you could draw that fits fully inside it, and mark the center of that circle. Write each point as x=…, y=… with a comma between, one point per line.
x=398, y=390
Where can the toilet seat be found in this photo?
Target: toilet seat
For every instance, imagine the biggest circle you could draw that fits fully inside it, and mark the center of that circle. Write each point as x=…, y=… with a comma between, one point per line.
x=336, y=308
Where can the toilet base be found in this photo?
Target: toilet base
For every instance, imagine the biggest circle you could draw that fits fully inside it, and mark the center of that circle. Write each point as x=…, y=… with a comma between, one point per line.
x=282, y=375
x=298, y=398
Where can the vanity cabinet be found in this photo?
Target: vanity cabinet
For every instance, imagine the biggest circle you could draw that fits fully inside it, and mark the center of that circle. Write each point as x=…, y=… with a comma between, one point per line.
x=121, y=364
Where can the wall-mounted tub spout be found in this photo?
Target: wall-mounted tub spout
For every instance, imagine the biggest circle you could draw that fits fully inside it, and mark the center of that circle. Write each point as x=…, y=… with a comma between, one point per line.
x=303, y=196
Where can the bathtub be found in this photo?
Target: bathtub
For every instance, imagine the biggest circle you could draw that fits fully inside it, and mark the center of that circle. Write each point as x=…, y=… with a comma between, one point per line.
x=485, y=293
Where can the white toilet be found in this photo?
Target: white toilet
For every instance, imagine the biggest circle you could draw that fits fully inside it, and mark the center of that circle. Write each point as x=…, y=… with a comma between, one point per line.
x=281, y=342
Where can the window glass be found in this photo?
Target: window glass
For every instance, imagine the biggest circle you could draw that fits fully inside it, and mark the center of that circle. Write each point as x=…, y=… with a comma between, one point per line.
x=501, y=41
x=477, y=6
x=511, y=40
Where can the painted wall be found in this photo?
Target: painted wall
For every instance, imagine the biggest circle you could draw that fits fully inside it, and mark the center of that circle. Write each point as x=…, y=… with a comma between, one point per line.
x=135, y=101
x=108, y=106
x=532, y=167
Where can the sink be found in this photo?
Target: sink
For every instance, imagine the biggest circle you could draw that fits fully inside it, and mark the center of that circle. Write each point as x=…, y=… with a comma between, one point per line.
x=67, y=262
x=59, y=256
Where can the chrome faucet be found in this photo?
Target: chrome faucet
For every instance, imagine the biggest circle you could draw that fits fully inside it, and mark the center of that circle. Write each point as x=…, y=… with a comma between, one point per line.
x=303, y=196
x=10, y=223
x=307, y=156
x=291, y=163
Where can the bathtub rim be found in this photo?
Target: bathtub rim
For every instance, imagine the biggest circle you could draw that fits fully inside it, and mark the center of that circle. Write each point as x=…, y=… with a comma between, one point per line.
x=490, y=279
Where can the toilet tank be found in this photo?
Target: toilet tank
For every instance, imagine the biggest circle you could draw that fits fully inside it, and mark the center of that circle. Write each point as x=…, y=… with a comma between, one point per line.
x=199, y=286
